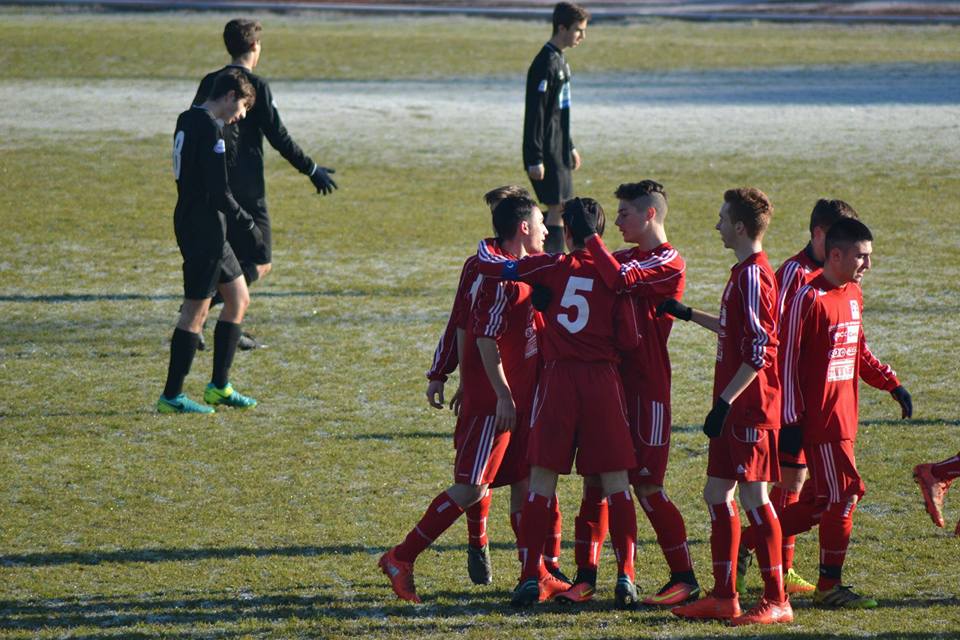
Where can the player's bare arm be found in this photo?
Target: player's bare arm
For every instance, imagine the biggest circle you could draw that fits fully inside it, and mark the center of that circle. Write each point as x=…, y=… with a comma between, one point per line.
x=506, y=419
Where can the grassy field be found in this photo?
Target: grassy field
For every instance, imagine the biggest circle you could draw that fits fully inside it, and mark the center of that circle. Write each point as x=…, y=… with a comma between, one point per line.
x=117, y=522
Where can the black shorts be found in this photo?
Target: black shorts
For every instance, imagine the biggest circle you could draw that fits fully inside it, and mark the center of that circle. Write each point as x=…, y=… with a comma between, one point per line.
x=202, y=273
x=238, y=238
x=556, y=186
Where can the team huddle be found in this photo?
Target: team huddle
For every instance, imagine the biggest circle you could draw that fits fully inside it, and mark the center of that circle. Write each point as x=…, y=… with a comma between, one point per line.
x=562, y=349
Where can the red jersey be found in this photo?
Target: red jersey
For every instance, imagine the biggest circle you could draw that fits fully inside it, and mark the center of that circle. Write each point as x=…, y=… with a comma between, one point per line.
x=579, y=323
x=445, y=358
x=821, y=389
x=748, y=335
x=793, y=274
x=650, y=277
x=502, y=311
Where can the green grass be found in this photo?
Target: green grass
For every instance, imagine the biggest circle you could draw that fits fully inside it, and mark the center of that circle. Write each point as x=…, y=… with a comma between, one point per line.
x=117, y=522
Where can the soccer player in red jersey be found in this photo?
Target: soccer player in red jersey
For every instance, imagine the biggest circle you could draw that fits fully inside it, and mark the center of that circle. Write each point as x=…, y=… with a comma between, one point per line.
x=495, y=392
x=745, y=418
x=934, y=479
x=651, y=272
x=791, y=276
x=579, y=409
x=823, y=322
x=445, y=360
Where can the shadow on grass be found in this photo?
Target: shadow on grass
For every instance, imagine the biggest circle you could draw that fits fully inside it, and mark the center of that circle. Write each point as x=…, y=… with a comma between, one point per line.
x=912, y=422
x=55, y=298
x=393, y=435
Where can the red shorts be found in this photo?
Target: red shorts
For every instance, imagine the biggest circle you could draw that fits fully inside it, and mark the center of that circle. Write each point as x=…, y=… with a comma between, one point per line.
x=480, y=449
x=744, y=454
x=514, y=466
x=650, y=430
x=833, y=473
x=579, y=411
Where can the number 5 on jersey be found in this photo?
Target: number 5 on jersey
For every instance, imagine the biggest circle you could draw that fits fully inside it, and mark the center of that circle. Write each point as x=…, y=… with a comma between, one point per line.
x=573, y=301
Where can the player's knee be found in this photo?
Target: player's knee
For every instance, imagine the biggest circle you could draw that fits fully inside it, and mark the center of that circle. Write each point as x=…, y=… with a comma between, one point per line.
x=645, y=490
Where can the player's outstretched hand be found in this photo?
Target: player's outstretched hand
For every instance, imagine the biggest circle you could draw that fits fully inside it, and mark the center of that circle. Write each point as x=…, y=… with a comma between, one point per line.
x=713, y=425
x=540, y=297
x=901, y=395
x=320, y=177
x=456, y=402
x=790, y=439
x=583, y=219
x=435, y=394
x=506, y=419
x=675, y=308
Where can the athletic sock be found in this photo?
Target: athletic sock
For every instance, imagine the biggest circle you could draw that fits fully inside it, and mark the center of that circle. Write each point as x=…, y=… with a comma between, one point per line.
x=225, y=338
x=724, y=543
x=590, y=528
x=441, y=513
x=623, y=530
x=947, y=470
x=515, y=518
x=551, y=548
x=477, y=514
x=781, y=499
x=836, y=524
x=797, y=518
x=671, y=532
x=554, y=241
x=183, y=346
x=765, y=519
x=534, y=526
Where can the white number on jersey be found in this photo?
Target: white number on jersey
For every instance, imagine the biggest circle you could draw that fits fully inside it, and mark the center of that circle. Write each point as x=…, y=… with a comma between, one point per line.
x=177, y=149
x=573, y=299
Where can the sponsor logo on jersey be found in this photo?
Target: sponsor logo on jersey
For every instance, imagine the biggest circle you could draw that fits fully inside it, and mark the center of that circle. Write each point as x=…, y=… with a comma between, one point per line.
x=220, y=147
x=854, y=310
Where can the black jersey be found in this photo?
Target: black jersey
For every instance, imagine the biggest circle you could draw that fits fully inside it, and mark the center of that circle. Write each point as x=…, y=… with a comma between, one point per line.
x=204, y=200
x=244, y=140
x=546, y=122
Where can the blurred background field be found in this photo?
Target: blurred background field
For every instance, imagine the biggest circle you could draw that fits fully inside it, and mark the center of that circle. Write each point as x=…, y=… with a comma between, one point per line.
x=117, y=522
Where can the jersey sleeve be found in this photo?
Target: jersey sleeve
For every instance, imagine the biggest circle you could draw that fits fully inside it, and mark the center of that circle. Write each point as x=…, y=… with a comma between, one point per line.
x=494, y=302
x=539, y=89
x=789, y=281
x=445, y=356
x=658, y=275
x=529, y=269
x=213, y=150
x=758, y=346
x=277, y=135
x=626, y=324
x=872, y=371
x=794, y=326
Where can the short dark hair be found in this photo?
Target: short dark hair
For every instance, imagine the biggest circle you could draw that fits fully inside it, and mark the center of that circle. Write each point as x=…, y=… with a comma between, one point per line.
x=589, y=204
x=240, y=35
x=750, y=206
x=494, y=196
x=845, y=233
x=631, y=191
x=826, y=213
x=235, y=80
x=508, y=214
x=566, y=14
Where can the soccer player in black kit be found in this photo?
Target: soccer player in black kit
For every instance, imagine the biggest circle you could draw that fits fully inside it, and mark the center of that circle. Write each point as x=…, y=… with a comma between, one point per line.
x=548, y=152
x=244, y=155
x=200, y=220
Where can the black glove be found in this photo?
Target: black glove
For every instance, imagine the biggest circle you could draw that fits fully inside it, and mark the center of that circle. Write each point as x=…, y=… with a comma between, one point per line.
x=901, y=395
x=791, y=439
x=320, y=177
x=675, y=308
x=582, y=221
x=713, y=425
x=540, y=297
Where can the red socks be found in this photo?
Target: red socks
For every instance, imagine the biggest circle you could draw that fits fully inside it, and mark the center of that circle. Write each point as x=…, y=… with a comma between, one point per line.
x=947, y=470
x=797, y=518
x=590, y=528
x=477, y=521
x=441, y=513
x=836, y=524
x=535, y=525
x=551, y=548
x=781, y=499
x=764, y=519
x=671, y=532
x=623, y=530
x=724, y=542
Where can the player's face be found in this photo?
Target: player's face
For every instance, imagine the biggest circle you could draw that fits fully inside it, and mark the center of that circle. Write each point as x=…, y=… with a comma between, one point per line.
x=573, y=35
x=855, y=261
x=536, y=233
x=235, y=109
x=631, y=220
x=728, y=232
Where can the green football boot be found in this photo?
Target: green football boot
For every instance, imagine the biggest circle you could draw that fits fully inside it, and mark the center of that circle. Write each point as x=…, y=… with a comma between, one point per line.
x=181, y=404
x=227, y=397
x=842, y=597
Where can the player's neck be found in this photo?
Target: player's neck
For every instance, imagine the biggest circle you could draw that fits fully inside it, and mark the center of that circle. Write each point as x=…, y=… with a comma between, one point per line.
x=514, y=247
x=245, y=61
x=556, y=42
x=652, y=239
x=746, y=248
x=833, y=278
